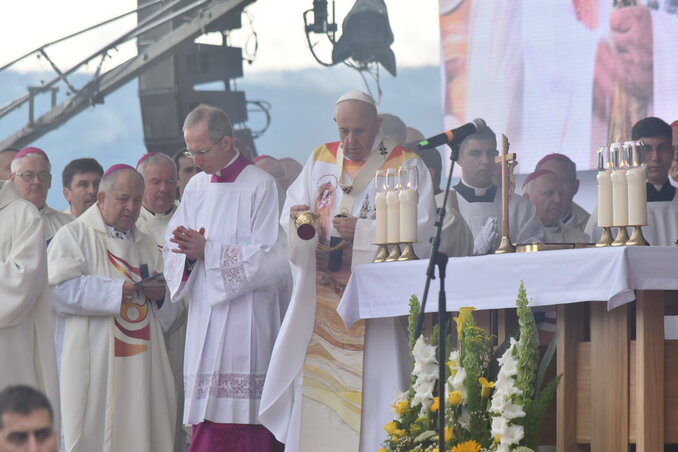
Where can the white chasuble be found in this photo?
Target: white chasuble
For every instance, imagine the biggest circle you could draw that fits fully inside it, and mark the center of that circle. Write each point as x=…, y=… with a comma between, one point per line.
x=115, y=376
x=235, y=308
x=313, y=395
x=26, y=338
x=54, y=220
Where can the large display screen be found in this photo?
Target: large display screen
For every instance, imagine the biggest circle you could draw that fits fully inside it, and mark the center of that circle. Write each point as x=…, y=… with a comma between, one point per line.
x=559, y=75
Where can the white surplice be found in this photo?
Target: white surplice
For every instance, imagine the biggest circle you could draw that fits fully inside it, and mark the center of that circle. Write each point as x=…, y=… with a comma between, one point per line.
x=578, y=217
x=116, y=382
x=235, y=309
x=524, y=225
x=54, y=220
x=155, y=225
x=563, y=233
x=456, y=239
x=26, y=339
x=281, y=408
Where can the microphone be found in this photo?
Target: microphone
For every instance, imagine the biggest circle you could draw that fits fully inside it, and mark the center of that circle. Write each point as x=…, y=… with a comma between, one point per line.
x=453, y=136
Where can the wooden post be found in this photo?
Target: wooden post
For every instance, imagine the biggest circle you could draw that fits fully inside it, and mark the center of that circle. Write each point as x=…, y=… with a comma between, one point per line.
x=649, y=370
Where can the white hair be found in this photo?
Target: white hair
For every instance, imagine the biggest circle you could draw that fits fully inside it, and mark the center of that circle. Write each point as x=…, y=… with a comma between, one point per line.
x=15, y=166
x=157, y=159
x=107, y=182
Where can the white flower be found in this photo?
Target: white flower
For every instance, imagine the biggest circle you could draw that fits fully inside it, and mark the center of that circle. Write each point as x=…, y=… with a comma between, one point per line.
x=425, y=372
x=502, y=406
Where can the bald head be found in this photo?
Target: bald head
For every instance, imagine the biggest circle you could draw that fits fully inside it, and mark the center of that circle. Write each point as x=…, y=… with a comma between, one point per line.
x=6, y=157
x=272, y=166
x=292, y=170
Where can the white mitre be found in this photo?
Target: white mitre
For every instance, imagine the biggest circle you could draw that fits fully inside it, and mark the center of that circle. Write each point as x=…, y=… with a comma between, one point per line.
x=358, y=95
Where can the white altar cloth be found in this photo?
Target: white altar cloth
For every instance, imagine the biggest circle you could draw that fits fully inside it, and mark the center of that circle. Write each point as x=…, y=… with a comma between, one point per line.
x=379, y=293
x=491, y=282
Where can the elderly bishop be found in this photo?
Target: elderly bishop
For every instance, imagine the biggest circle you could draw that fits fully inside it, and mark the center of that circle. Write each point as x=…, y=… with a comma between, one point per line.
x=317, y=396
x=116, y=381
x=26, y=341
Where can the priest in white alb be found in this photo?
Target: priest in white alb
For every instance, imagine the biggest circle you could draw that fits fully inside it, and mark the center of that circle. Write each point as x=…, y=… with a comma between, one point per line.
x=480, y=201
x=318, y=393
x=116, y=383
x=224, y=249
x=544, y=189
x=157, y=207
x=32, y=176
x=26, y=339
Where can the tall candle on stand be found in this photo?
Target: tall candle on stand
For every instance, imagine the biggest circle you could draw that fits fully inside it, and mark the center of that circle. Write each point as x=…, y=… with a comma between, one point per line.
x=620, y=206
x=381, y=233
x=604, y=189
x=408, y=199
x=393, y=208
x=636, y=178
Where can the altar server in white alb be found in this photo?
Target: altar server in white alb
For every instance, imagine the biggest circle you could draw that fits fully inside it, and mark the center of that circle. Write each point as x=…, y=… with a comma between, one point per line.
x=116, y=383
x=26, y=339
x=32, y=176
x=480, y=201
x=662, y=202
x=316, y=394
x=544, y=189
x=224, y=249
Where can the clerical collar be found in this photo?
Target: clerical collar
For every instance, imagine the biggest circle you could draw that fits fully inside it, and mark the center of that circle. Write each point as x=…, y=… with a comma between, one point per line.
x=154, y=214
x=232, y=170
x=112, y=232
x=665, y=193
x=475, y=194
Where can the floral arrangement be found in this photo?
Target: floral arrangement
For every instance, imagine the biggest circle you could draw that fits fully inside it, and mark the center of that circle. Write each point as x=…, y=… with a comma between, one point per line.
x=494, y=399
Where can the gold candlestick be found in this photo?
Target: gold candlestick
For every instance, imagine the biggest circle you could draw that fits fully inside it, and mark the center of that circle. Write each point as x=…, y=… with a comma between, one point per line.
x=382, y=253
x=408, y=253
x=622, y=237
x=505, y=246
x=637, y=238
x=605, y=238
x=395, y=253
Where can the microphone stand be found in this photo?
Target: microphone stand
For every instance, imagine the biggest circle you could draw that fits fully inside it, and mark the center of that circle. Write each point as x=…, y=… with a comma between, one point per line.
x=439, y=259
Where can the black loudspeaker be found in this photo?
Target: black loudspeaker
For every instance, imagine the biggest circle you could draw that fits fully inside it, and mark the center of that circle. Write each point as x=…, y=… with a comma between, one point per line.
x=167, y=91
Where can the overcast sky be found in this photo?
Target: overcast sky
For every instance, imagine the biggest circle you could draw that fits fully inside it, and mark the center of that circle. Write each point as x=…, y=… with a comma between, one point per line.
x=29, y=24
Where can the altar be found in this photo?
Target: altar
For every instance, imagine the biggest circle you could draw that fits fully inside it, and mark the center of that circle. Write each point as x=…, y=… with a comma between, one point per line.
x=612, y=393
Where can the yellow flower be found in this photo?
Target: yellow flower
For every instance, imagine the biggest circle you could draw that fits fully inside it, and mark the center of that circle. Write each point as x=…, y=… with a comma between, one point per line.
x=497, y=438
x=463, y=313
x=402, y=407
x=436, y=404
x=455, y=397
x=487, y=386
x=391, y=427
x=467, y=446
x=399, y=432
x=382, y=450
x=449, y=434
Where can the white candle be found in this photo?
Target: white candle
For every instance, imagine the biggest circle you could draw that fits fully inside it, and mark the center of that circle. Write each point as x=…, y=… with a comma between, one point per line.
x=637, y=195
x=408, y=215
x=604, y=199
x=393, y=217
x=620, y=202
x=381, y=236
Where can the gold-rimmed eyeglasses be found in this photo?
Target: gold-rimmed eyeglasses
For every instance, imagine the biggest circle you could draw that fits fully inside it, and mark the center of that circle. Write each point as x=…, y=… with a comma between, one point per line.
x=202, y=153
x=30, y=175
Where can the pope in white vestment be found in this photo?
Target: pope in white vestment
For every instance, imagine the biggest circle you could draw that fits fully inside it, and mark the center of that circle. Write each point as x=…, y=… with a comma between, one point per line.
x=26, y=339
x=116, y=382
x=318, y=395
x=235, y=308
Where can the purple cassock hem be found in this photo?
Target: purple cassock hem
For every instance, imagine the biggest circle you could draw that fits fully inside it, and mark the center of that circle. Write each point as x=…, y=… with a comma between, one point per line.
x=214, y=437
x=232, y=171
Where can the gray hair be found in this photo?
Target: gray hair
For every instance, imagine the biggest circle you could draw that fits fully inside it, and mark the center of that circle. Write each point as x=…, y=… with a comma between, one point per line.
x=157, y=159
x=109, y=180
x=16, y=163
x=218, y=123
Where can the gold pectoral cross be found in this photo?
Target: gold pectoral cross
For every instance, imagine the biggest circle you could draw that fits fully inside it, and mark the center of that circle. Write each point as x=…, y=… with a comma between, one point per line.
x=508, y=162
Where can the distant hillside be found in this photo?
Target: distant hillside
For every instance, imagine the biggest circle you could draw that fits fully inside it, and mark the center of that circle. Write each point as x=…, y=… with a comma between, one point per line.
x=302, y=106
